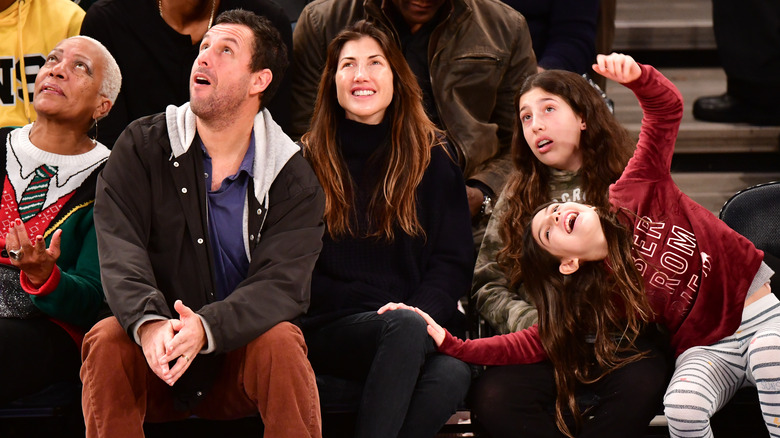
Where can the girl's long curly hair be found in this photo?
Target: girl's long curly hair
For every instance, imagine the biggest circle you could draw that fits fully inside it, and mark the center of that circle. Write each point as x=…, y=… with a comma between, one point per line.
x=412, y=136
x=580, y=314
x=605, y=145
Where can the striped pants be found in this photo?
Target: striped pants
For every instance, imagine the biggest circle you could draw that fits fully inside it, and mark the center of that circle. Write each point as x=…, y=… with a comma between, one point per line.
x=706, y=378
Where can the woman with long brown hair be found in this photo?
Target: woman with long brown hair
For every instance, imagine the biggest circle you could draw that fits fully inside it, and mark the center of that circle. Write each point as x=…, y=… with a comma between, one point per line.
x=398, y=236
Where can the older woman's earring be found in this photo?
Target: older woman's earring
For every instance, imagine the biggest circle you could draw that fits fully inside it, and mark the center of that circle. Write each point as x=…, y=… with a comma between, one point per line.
x=94, y=139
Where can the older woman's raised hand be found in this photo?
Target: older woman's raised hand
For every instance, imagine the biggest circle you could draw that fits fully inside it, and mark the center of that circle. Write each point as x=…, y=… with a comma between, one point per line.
x=35, y=260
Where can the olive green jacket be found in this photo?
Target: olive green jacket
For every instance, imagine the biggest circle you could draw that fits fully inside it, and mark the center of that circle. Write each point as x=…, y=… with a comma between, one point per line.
x=506, y=308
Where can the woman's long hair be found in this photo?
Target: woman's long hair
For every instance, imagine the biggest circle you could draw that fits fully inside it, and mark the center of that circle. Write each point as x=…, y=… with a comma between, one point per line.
x=600, y=300
x=412, y=135
x=605, y=145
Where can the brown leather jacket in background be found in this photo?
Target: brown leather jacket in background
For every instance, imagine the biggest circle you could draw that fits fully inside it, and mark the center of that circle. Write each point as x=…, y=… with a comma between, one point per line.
x=479, y=56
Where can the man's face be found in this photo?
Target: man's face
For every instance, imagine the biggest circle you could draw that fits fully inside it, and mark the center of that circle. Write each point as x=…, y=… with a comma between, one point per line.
x=221, y=76
x=417, y=12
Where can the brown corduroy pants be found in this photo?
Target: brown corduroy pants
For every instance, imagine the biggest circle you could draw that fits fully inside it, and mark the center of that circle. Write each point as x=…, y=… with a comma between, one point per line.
x=270, y=375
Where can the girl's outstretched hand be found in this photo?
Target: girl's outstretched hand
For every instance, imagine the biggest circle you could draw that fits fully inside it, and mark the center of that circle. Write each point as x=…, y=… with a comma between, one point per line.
x=618, y=67
x=434, y=329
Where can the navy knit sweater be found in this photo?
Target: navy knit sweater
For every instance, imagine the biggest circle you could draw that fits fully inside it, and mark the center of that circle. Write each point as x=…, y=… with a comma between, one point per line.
x=359, y=274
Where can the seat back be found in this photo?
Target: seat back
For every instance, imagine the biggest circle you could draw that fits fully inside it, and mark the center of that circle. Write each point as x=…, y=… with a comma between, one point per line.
x=755, y=214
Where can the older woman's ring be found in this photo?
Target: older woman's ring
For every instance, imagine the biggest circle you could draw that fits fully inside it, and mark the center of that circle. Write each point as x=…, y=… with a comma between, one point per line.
x=16, y=254
x=187, y=358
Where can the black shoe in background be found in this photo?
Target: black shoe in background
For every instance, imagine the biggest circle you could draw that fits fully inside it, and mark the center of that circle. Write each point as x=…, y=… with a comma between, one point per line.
x=727, y=109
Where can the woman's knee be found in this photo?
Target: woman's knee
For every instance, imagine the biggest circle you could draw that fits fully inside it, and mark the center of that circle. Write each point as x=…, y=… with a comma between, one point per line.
x=404, y=326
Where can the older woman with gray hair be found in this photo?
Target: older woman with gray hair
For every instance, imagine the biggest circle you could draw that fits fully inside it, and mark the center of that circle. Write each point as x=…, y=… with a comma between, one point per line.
x=50, y=290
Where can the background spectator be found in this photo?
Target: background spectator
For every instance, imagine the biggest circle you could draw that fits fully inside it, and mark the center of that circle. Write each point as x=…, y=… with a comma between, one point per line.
x=156, y=42
x=563, y=32
x=748, y=37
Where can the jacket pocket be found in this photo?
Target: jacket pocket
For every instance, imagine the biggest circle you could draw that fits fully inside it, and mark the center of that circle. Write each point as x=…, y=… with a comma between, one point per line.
x=473, y=80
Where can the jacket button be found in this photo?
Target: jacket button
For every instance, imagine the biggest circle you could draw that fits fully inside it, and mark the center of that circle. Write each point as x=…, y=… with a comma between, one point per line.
x=200, y=241
x=175, y=164
x=184, y=189
x=199, y=394
x=251, y=237
x=259, y=211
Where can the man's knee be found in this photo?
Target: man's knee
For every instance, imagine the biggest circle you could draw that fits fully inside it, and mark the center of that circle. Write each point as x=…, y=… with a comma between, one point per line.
x=284, y=340
x=106, y=334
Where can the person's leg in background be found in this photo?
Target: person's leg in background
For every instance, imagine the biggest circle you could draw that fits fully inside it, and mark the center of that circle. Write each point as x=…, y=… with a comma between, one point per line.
x=747, y=34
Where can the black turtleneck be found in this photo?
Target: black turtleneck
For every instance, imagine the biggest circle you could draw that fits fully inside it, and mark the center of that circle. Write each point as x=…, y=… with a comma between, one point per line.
x=360, y=274
x=362, y=147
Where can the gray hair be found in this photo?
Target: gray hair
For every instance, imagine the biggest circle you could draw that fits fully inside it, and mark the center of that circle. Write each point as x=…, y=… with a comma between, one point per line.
x=112, y=76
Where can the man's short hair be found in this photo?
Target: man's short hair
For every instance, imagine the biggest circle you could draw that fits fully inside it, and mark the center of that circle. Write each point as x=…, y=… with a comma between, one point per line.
x=112, y=76
x=269, y=50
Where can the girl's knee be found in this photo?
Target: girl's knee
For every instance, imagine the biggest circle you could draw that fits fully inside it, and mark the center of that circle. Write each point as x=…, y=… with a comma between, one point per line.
x=686, y=405
x=767, y=340
x=762, y=354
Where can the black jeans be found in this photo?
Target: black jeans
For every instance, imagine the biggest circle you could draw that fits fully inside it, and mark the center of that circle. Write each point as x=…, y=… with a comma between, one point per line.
x=35, y=354
x=409, y=390
x=518, y=401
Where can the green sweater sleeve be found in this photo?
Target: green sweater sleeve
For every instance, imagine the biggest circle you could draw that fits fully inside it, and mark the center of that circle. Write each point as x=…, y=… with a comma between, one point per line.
x=77, y=297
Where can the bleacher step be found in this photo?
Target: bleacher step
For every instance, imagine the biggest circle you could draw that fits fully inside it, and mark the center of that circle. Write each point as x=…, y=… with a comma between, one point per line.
x=664, y=25
x=696, y=136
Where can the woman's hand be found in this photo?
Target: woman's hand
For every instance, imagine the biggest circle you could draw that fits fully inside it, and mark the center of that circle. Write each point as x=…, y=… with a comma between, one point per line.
x=434, y=329
x=394, y=306
x=618, y=67
x=35, y=260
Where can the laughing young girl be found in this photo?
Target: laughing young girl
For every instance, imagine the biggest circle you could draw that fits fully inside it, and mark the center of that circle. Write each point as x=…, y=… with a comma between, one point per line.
x=656, y=257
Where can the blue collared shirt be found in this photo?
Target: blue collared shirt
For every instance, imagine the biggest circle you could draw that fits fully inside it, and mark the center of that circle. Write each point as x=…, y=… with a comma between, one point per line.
x=226, y=222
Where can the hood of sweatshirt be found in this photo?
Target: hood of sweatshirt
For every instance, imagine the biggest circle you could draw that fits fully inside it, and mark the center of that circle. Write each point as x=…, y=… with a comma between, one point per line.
x=273, y=148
